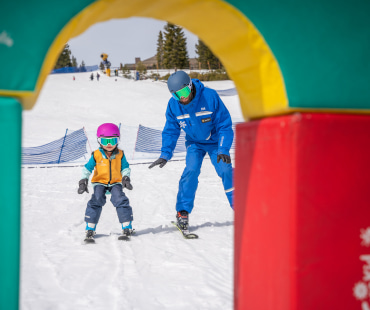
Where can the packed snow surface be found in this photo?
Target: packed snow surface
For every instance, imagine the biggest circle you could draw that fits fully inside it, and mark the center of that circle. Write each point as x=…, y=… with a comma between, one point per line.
x=157, y=269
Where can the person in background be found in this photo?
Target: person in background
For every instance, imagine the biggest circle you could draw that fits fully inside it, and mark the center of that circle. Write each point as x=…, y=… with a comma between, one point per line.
x=200, y=112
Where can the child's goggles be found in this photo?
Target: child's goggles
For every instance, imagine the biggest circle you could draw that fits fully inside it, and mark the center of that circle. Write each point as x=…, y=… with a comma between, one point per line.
x=183, y=92
x=110, y=140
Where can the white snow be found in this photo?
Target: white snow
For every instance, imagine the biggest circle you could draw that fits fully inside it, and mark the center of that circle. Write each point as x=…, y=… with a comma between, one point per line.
x=158, y=269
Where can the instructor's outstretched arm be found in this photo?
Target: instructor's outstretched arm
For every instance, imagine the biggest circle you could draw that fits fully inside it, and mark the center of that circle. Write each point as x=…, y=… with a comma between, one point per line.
x=160, y=161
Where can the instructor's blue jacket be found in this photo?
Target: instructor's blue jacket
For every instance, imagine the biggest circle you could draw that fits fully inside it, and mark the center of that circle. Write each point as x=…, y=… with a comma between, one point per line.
x=205, y=120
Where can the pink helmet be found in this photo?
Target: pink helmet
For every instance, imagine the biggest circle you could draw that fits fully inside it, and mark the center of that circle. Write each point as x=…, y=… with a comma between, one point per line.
x=108, y=130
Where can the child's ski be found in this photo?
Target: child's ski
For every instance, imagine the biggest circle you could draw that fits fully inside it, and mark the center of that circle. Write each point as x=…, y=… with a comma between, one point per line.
x=126, y=235
x=124, y=238
x=89, y=240
x=185, y=233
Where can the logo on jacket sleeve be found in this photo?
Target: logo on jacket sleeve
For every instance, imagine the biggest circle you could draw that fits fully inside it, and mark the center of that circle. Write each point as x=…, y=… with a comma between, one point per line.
x=182, y=124
x=206, y=120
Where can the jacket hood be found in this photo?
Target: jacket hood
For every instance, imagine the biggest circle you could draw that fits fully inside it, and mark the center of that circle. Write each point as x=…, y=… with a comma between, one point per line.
x=199, y=86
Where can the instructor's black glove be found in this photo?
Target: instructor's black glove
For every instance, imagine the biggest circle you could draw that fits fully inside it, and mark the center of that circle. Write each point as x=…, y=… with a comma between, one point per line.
x=224, y=158
x=126, y=182
x=160, y=161
x=82, y=186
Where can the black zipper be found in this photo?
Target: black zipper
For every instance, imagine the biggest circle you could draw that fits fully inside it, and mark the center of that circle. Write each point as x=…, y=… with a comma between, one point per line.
x=110, y=170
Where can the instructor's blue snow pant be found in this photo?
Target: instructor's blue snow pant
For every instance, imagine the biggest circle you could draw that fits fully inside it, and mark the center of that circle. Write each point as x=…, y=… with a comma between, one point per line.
x=118, y=199
x=189, y=180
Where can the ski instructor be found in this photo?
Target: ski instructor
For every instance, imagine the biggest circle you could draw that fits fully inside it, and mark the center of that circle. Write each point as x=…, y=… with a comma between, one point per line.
x=200, y=112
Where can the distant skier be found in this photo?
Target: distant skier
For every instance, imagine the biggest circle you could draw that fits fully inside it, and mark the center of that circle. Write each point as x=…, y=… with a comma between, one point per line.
x=92, y=76
x=200, y=112
x=97, y=76
x=111, y=175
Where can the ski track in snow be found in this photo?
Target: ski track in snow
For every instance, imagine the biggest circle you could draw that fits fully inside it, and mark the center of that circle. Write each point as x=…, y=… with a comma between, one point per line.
x=157, y=269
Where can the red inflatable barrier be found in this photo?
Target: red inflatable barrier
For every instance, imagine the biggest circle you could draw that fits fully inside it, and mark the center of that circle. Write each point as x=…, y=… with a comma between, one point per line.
x=302, y=213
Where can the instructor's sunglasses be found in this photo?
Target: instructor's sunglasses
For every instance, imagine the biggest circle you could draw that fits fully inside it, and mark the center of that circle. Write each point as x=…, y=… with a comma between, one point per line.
x=110, y=140
x=182, y=93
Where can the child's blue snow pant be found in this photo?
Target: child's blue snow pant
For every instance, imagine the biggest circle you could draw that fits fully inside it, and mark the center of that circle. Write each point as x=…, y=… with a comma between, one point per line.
x=118, y=199
x=189, y=180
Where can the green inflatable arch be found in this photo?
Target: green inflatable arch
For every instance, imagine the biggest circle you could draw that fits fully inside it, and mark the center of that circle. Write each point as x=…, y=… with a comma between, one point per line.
x=283, y=56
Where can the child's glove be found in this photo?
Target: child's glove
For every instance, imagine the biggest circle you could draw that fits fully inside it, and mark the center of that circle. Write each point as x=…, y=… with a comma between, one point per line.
x=126, y=182
x=82, y=186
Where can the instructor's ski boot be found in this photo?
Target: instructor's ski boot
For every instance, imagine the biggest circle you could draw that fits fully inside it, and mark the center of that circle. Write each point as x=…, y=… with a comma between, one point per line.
x=183, y=219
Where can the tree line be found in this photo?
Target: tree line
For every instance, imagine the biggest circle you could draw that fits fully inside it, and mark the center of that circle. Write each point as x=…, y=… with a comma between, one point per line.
x=171, y=52
x=66, y=59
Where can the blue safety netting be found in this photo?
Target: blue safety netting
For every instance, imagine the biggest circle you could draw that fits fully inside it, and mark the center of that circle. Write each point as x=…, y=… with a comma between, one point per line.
x=227, y=92
x=71, y=147
x=75, y=69
x=149, y=140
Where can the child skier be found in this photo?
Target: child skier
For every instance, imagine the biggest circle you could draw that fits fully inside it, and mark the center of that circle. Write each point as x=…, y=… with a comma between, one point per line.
x=111, y=174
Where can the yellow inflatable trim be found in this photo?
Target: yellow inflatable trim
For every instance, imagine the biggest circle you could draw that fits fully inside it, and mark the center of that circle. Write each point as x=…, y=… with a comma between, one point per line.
x=230, y=35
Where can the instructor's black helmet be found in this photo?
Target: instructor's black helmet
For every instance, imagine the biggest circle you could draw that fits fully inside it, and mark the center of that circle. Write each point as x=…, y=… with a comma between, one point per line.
x=178, y=80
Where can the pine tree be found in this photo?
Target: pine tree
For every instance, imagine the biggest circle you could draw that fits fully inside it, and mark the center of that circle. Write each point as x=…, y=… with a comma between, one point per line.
x=169, y=35
x=205, y=56
x=175, y=54
x=64, y=59
x=83, y=66
x=74, y=62
x=160, y=50
x=181, y=58
x=199, y=49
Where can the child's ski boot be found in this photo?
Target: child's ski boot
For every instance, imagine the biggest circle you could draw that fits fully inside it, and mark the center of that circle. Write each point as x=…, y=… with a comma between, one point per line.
x=126, y=231
x=90, y=233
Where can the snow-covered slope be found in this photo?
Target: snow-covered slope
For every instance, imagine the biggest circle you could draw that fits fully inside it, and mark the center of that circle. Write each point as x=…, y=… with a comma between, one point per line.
x=158, y=269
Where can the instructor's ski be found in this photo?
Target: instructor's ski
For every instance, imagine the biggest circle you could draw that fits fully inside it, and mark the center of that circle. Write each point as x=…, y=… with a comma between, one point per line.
x=185, y=232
